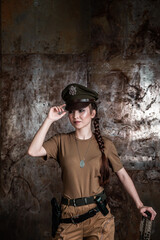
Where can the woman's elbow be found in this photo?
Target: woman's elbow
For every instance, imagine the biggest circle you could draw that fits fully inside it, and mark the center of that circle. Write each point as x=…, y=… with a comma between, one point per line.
x=37, y=153
x=29, y=152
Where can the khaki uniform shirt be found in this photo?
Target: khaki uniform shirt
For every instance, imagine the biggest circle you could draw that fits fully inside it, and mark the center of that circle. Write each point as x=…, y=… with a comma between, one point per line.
x=80, y=182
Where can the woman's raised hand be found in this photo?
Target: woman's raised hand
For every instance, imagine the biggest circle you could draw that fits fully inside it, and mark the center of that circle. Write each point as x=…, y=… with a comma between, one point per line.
x=56, y=112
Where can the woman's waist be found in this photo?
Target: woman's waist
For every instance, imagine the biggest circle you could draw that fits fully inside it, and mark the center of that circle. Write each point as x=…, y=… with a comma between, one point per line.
x=77, y=193
x=81, y=201
x=77, y=206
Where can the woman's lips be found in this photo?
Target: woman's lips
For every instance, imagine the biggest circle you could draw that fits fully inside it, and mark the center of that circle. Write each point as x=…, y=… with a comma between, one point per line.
x=76, y=122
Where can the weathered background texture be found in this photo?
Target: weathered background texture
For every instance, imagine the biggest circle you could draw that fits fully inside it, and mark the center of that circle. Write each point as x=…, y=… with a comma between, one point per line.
x=112, y=46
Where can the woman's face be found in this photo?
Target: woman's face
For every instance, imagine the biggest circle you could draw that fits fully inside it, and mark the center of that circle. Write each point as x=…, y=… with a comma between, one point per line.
x=82, y=117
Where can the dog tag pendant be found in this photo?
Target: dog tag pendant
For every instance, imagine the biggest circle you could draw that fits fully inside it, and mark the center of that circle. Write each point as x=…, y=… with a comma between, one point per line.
x=82, y=163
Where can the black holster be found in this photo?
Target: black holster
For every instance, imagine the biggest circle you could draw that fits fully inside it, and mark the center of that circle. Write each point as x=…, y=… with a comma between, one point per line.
x=56, y=216
x=101, y=205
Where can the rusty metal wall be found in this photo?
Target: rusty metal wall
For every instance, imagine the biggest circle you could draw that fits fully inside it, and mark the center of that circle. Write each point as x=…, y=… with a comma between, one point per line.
x=45, y=26
x=124, y=67
x=111, y=46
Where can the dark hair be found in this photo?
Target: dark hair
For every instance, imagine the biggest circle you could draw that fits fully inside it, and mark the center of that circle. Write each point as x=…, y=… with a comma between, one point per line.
x=104, y=170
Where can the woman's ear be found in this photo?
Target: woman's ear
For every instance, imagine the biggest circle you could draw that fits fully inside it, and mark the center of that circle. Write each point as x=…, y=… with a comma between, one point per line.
x=93, y=113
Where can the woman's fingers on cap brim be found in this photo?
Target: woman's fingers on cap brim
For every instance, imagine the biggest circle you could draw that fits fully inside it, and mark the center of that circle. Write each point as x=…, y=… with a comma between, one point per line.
x=62, y=113
x=55, y=108
x=62, y=106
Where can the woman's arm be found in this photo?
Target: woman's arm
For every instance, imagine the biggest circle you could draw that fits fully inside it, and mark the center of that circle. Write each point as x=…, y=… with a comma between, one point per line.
x=129, y=186
x=36, y=149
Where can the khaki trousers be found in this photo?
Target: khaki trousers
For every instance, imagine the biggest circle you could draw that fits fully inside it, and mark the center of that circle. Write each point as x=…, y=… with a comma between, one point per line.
x=98, y=227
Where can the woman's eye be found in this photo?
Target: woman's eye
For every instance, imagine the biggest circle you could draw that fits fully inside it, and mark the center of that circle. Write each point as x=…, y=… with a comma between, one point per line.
x=70, y=112
x=81, y=110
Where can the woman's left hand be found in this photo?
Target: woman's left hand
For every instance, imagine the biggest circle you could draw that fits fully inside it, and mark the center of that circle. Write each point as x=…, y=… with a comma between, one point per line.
x=149, y=209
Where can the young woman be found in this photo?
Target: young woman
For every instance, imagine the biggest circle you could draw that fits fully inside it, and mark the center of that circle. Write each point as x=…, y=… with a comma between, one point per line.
x=84, y=157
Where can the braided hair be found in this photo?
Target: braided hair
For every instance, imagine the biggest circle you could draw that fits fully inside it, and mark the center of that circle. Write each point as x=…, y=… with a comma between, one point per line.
x=104, y=170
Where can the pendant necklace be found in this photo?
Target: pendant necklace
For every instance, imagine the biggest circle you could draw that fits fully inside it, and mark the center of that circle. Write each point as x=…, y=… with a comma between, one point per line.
x=82, y=161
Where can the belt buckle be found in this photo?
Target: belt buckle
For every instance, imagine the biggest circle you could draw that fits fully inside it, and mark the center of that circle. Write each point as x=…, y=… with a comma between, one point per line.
x=85, y=200
x=74, y=203
x=73, y=219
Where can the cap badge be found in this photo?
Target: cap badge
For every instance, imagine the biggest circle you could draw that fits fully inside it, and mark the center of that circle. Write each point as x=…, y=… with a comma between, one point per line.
x=72, y=90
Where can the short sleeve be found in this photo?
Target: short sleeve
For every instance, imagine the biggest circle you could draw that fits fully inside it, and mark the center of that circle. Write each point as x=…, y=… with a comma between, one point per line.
x=51, y=147
x=113, y=157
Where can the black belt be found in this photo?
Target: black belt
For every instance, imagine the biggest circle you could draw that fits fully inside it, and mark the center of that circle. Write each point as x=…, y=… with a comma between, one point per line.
x=80, y=218
x=82, y=201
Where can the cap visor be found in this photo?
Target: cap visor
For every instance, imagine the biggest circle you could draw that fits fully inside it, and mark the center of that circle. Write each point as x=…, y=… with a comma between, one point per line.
x=76, y=106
